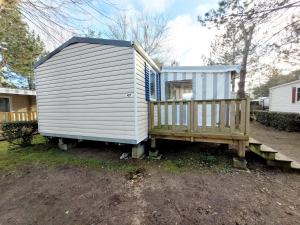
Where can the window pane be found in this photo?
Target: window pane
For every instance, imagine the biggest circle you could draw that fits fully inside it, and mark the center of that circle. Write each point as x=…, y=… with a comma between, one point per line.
x=4, y=105
x=298, y=94
x=152, y=85
x=178, y=90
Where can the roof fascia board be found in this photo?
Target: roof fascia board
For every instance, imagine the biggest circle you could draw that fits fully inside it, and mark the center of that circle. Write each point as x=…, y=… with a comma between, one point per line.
x=282, y=85
x=75, y=40
x=16, y=91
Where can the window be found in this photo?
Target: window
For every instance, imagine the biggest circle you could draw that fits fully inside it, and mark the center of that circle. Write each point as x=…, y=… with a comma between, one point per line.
x=298, y=94
x=152, y=85
x=4, y=105
x=179, y=90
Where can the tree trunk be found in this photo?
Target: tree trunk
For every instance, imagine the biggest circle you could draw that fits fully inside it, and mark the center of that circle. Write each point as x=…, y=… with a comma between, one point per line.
x=247, y=35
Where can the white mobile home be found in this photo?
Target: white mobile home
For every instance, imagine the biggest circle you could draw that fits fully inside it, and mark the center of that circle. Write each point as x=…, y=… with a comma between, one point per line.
x=285, y=97
x=94, y=89
x=108, y=90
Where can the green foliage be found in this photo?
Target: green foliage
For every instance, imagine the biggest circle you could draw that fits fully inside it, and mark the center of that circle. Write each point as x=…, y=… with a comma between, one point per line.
x=278, y=120
x=42, y=154
x=20, y=133
x=275, y=78
x=23, y=46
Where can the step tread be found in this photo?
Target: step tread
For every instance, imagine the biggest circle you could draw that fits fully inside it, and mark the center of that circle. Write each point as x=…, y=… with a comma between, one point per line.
x=295, y=165
x=254, y=141
x=281, y=157
x=264, y=148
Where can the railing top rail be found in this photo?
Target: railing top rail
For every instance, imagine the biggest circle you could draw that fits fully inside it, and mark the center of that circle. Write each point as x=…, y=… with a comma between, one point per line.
x=207, y=100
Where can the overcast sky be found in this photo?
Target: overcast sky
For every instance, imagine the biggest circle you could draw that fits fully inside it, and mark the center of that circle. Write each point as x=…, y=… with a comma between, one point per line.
x=186, y=41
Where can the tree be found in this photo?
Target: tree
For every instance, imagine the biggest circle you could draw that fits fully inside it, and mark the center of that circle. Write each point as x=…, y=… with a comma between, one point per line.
x=246, y=18
x=53, y=18
x=274, y=78
x=148, y=30
x=22, y=47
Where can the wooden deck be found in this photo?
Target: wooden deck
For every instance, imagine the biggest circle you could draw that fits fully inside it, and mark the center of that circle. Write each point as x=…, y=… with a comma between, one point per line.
x=218, y=121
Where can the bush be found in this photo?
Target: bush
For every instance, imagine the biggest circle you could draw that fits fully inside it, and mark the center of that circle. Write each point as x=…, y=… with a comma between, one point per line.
x=278, y=120
x=20, y=133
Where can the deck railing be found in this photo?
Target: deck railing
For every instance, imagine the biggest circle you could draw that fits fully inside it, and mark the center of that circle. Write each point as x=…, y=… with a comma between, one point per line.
x=226, y=116
x=17, y=116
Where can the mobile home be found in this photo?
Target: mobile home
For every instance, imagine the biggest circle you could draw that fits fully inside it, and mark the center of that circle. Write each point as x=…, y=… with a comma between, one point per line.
x=285, y=97
x=108, y=90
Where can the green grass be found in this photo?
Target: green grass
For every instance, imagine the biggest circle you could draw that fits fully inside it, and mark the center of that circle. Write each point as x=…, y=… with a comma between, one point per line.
x=42, y=154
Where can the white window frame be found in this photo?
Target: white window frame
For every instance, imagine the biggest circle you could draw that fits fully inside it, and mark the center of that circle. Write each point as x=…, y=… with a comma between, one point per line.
x=9, y=102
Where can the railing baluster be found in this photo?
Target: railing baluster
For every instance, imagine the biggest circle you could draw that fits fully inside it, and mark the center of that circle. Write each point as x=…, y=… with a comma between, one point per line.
x=166, y=115
x=195, y=115
x=243, y=116
x=232, y=116
x=173, y=115
x=247, y=116
x=222, y=115
x=151, y=122
x=158, y=115
x=181, y=115
x=203, y=115
x=237, y=116
x=213, y=114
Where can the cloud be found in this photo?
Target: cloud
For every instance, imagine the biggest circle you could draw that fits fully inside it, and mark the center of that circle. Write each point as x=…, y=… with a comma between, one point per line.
x=188, y=41
x=156, y=6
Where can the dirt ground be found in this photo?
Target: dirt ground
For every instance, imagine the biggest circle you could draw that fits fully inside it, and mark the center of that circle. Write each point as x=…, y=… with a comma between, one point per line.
x=287, y=143
x=74, y=195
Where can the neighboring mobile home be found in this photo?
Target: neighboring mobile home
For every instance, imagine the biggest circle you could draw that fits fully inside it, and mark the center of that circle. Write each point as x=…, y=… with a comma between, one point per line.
x=16, y=105
x=17, y=100
x=285, y=97
x=108, y=90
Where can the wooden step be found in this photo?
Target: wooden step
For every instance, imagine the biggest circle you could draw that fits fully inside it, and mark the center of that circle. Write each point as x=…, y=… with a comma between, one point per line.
x=280, y=161
x=254, y=142
x=265, y=148
x=266, y=153
x=295, y=165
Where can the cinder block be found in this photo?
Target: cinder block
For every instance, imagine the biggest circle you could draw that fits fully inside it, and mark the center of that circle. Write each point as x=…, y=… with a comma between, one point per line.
x=240, y=163
x=66, y=146
x=138, y=151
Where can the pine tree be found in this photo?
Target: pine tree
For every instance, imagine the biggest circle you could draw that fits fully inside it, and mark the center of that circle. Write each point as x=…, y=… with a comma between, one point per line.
x=22, y=47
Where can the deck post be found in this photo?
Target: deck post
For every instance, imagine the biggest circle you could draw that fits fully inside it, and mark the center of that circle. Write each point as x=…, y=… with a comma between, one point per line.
x=153, y=143
x=240, y=162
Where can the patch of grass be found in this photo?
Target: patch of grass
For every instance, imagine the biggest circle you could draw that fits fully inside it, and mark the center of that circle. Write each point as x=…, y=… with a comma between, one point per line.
x=42, y=154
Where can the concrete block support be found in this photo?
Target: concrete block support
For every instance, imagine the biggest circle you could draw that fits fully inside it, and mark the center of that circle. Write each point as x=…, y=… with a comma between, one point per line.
x=240, y=162
x=138, y=151
x=63, y=145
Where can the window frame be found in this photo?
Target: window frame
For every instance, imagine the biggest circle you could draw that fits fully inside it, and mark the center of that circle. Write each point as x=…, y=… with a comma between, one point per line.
x=168, y=89
x=9, y=102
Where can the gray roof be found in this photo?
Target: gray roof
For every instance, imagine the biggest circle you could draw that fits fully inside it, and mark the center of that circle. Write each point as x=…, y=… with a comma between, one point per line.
x=74, y=40
x=204, y=69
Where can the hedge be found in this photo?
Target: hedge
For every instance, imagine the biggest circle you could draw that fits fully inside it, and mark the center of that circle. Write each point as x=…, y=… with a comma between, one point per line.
x=20, y=133
x=278, y=120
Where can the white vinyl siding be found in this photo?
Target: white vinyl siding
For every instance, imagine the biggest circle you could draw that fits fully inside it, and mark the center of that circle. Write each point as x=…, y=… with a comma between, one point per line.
x=82, y=91
x=281, y=99
x=142, y=104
